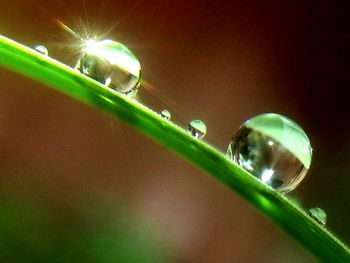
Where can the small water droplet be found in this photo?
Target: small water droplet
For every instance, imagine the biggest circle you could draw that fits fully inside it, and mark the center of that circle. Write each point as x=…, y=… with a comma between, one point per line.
x=112, y=64
x=197, y=129
x=42, y=50
x=319, y=215
x=274, y=149
x=165, y=114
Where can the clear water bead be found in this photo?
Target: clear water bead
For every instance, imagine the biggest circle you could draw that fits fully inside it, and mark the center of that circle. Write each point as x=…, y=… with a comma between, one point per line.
x=112, y=64
x=274, y=149
x=42, y=50
x=319, y=215
x=166, y=114
x=197, y=129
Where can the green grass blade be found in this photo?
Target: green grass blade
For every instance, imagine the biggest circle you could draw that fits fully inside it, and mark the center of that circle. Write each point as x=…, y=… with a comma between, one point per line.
x=274, y=205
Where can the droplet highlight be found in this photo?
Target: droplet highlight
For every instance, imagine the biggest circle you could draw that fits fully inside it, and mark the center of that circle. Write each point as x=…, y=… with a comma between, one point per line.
x=112, y=64
x=274, y=149
x=165, y=114
x=42, y=50
x=319, y=215
x=197, y=129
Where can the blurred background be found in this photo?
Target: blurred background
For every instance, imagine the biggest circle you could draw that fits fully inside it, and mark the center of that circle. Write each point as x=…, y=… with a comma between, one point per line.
x=79, y=186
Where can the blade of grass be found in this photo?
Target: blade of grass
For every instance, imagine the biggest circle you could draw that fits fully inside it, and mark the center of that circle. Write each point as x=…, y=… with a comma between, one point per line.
x=274, y=205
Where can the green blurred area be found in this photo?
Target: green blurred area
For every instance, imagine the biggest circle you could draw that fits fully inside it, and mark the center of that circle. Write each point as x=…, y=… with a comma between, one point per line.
x=39, y=228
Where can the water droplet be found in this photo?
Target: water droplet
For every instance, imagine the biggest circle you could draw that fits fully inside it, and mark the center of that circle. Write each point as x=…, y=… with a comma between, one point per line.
x=165, y=114
x=319, y=215
x=197, y=129
x=274, y=149
x=42, y=50
x=112, y=64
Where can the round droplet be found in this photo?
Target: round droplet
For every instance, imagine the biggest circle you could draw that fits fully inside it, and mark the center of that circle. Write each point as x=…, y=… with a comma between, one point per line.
x=42, y=50
x=319, y=215
x=274, y=149
x=197, y=129
x=112, y=64
x=165, y=114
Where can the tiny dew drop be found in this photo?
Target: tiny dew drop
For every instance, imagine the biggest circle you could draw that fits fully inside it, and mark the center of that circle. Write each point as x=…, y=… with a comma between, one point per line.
x=112, y=64
x=197, y=129
x=166, y=114
x=319, y=215
x=42, y=50
x=274, y=149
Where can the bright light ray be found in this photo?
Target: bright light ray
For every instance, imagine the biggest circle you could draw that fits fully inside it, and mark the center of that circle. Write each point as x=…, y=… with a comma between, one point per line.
x=82, y=29
x=66, y=28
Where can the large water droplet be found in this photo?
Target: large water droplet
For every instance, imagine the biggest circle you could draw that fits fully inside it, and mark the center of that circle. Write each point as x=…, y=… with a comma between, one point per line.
x=42, y=50
x=166, y=114
x=197, y=129
x=274, y=149
x=112, y=64
x=319, y=215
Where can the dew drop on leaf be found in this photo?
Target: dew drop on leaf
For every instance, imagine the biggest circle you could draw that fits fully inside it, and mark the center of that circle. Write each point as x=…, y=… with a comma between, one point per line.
x=42, y=50
x=166, y=114
x=319, y=215
x=112, y=64
x=197, y=129
x=274, y=149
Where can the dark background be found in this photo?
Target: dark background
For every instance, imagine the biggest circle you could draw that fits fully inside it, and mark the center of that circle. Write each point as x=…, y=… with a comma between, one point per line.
x=68, y=172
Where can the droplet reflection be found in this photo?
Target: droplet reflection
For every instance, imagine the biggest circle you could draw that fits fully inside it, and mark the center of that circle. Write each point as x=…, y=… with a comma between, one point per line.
x=42, y=50
x=319, y=215
x=166, y=114
x=197, y=129
x=274, y=149
x=112, y=64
